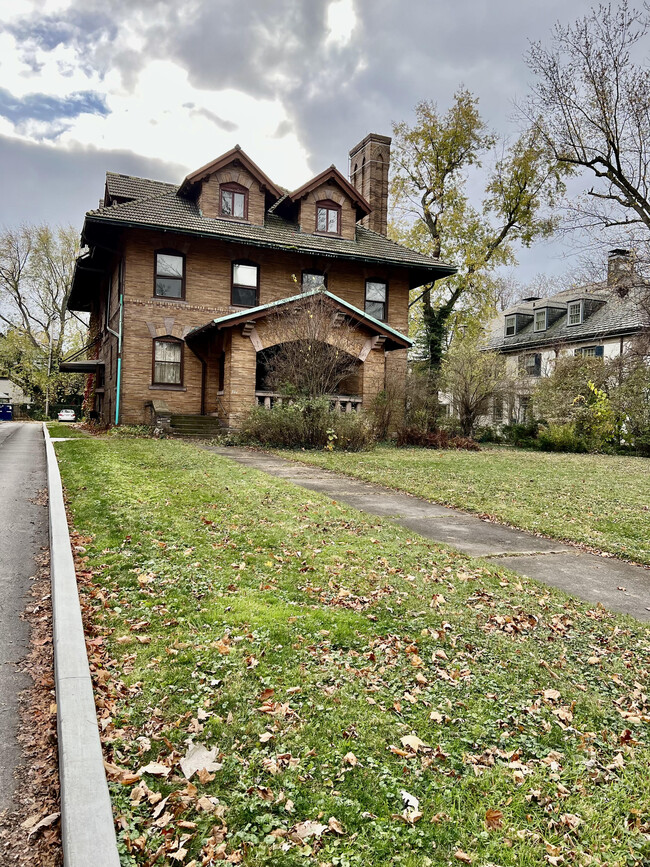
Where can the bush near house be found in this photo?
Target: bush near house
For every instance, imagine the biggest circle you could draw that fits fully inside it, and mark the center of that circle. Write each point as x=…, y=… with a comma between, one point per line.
x=303, y=422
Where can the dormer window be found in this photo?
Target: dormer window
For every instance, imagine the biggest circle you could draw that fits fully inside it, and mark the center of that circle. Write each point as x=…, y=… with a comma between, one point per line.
x=540, y=320
x=233, y=201
x=574, y=313
x=328, y=217
x=511, y=326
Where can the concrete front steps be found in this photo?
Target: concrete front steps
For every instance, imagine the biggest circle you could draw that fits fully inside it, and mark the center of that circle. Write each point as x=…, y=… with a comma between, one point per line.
x=204, y=426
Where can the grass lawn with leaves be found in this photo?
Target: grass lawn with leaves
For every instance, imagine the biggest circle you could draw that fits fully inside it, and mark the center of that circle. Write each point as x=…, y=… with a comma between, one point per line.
x=598, y=500
x=353, y=694
x=60, y=429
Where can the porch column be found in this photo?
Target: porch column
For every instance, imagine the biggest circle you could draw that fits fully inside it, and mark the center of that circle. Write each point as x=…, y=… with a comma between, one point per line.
x=240, y=386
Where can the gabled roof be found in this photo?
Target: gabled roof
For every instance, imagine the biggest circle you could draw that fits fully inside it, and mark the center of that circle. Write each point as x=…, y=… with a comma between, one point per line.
x=615, y=317
x=394, y=337
x=173, y=212
x=224, y=160
x=333, y=174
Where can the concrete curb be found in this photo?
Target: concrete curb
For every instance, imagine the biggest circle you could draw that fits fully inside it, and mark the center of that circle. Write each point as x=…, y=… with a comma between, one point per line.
x=87, y=829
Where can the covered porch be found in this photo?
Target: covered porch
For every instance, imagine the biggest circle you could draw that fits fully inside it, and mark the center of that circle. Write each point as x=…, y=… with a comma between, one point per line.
x=242, y=355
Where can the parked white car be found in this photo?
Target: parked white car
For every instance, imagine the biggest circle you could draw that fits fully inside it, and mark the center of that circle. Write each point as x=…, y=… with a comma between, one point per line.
x=67, y=415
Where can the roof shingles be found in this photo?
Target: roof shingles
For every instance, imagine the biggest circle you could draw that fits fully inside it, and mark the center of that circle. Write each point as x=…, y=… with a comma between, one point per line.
x=158, y=206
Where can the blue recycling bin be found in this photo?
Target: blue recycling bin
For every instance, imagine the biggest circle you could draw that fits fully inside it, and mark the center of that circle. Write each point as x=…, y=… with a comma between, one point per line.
x=6, y=412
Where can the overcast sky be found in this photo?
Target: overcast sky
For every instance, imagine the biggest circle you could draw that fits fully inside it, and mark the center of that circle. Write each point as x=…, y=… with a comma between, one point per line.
x=160, y=88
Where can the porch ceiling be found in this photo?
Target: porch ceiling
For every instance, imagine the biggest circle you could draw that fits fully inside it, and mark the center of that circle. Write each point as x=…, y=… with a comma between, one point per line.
x=393, y=339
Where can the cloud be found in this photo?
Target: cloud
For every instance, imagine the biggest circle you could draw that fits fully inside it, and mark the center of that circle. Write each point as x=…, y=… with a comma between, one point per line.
x=42, y=107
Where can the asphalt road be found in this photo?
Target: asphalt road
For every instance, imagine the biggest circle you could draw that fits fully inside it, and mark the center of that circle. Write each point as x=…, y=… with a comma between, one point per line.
x=23, y=533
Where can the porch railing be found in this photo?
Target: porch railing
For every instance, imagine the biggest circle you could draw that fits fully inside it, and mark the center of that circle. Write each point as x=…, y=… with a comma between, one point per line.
x=338, y=402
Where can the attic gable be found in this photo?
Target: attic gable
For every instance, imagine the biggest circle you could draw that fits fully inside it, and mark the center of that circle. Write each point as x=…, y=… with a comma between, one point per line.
x=235, y=157
x=328, y=204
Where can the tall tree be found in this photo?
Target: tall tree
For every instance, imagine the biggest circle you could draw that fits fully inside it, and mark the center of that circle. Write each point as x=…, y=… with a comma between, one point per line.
x=431, y=166
x=590, y=104
x=36, y=267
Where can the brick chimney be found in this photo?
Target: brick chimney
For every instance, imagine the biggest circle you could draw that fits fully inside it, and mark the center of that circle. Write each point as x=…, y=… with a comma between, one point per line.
x=369, y=163
x=620, y=269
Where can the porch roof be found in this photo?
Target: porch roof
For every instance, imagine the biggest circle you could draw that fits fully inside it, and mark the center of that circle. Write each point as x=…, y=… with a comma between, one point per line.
x=399, y=340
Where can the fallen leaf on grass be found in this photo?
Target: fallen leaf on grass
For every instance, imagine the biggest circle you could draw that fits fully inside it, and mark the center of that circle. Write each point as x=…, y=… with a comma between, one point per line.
x=350, y=759
x=335, y=825
x=199, y=758
x=459, y=855
x=493, y=819
x=412, y=742
x=156, y=769
x=305, y=830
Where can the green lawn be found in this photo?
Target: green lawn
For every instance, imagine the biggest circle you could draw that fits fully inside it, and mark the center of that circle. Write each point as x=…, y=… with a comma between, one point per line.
x=599, y=500
x=334, y=661
x=61, y=429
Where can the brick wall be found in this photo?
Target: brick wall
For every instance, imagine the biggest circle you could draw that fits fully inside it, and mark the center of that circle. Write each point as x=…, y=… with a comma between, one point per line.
x=208, y=279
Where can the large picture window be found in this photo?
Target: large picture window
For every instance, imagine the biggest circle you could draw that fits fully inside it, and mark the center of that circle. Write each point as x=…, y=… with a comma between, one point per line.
x=233, y=201
x=376, y=298
x=328, y=217
x=170, y=274
x=245, y=283
x=167, y=361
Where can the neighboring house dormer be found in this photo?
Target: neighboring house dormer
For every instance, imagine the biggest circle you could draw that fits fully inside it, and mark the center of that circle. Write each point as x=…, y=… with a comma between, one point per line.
x=232, y=187
x=329, y=205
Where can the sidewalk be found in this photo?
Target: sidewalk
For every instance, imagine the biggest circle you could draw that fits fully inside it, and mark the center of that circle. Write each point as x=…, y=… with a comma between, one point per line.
x=617, y=585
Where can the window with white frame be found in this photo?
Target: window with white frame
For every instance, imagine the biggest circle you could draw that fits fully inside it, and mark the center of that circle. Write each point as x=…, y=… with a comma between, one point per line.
x=540, y=320
x=574, y=313
x=591, y=352
x=511, y=325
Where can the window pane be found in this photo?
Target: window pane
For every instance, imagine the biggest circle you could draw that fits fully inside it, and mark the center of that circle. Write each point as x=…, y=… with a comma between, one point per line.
x=238, y=206
x=166, y=350
x=540, y=320
x=242, y=297
x=375, y=308
x=375, y=291
x=169, y=287
x=322, y=219
x=168, y=265
x=312, y=281
x=244, y=275
x=166, y=373
x=332, y=221
x=510, y=325
x=226, y=203
x=574, y=314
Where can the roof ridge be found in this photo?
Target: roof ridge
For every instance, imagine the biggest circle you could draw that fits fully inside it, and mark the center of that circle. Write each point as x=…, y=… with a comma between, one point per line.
x=116, y=206
x=140, y=178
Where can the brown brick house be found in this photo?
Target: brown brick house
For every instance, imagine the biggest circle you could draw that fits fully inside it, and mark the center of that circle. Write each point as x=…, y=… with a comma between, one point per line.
x=179, y=282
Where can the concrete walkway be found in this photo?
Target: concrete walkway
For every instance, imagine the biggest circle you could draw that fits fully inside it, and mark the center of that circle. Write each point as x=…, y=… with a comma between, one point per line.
x=617, y=585
x=23, y=526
